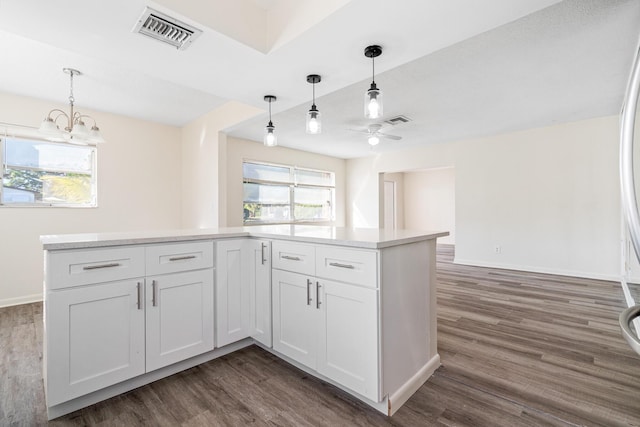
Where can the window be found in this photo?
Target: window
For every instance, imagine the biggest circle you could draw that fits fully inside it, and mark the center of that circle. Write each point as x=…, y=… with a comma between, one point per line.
x=42, y=173
x=278, y=193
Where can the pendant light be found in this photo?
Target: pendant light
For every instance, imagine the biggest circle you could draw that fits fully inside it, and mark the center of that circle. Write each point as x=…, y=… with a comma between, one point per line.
x=314, y=126
x=373, y=97
x=270, y=139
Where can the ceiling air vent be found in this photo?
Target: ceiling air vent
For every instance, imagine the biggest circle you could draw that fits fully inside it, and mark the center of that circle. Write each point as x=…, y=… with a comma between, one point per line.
x=397, y=120
x=166, y=29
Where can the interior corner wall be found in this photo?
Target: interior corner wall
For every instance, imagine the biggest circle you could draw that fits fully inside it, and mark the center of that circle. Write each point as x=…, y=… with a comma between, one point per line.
x=429, y=201
x=239, y=150
x=204, y=164
x=548, y=197
x=139, y=174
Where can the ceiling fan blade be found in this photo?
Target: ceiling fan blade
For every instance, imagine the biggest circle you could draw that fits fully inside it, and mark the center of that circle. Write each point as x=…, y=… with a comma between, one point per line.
x=358, y=131
x=394, y=137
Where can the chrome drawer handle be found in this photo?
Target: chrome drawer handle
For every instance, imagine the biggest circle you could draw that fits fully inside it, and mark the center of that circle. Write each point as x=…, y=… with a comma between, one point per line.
x=181, y=258
x=292, y=258
x=337, y=264
x=95, y=267
x=154, y=293
x=139, y=296
x=308, y=292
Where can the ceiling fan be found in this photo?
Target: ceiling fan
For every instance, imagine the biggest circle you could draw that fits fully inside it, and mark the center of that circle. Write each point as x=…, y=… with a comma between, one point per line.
x=374, y=134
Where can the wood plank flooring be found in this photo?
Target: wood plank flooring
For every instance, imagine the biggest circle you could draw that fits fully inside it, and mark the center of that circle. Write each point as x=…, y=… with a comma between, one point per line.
x=517, y=349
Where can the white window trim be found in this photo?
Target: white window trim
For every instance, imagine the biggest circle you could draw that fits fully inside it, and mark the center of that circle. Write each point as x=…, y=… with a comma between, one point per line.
x=292, y=185
x=30, y=134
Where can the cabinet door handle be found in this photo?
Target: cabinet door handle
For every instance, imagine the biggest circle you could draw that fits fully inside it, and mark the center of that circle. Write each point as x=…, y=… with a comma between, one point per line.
x=318, y=285
x=292, y=258
x=154, y=293
x=262, y=246
x=95, y=267
x=337, y=264
x=139, y=296
x=181, y=258
x=308, y=291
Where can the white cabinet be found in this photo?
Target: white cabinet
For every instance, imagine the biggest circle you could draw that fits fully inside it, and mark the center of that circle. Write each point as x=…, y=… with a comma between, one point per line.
x=179, y=315
x=94, y=338
x=326, y=325
x=348, y=336
x=100, y=334
x=243, y=291
x=295, y=317
x=362, y=317
x=259, y=252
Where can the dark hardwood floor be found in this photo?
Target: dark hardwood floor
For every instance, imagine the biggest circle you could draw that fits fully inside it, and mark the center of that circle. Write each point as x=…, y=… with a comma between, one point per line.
x=517, y=349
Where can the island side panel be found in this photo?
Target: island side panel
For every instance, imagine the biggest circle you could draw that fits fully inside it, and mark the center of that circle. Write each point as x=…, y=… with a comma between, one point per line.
x=409, y=318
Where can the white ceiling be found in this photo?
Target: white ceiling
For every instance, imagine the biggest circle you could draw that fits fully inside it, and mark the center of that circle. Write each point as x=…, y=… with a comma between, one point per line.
x=458, y=68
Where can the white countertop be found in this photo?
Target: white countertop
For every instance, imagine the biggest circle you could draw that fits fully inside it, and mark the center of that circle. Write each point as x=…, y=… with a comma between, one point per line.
x=368, y=238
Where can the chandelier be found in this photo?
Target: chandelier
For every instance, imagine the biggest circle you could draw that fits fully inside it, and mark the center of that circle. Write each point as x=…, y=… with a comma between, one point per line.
x=74, y=131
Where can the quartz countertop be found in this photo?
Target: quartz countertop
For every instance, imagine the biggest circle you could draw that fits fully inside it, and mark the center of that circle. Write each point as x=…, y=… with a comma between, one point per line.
x=367, y=238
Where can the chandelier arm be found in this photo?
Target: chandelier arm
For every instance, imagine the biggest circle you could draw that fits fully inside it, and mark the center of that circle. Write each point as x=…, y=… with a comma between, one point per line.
x=79, y=116
x=60, y=113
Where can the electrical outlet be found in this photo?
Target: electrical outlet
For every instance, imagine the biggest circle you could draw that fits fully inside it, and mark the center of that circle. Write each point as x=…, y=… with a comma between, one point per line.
x=497, y=249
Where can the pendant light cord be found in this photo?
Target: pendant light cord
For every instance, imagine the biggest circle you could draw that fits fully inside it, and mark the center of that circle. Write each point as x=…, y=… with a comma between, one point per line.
x=373, y=67
x=270, y=112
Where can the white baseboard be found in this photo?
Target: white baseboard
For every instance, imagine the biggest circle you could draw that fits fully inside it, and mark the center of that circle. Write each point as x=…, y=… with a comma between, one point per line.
x=400, y=396
x=20, y=300
x=532, y=269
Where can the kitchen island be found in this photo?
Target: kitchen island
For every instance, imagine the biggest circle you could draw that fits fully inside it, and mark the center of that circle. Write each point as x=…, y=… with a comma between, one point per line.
x=354, y=307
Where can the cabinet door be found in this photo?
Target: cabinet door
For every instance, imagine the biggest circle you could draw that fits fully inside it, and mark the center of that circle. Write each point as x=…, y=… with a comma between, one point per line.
x=295, y=317
x=348, y=335
x=259, y=252
x=179, y=313
x=232, y=293
x=95, y=338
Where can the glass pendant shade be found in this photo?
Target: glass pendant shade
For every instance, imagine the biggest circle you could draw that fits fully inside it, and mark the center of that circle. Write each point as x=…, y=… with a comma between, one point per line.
x=373, y=97
x=270, y=139
x=95, y=136
x=49, y=127
x=314, y=125
x=79, y=130
x=373, y=102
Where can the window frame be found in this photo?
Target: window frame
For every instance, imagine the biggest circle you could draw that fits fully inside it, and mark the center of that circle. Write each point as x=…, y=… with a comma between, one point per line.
x=33, y=137
x=292, y=184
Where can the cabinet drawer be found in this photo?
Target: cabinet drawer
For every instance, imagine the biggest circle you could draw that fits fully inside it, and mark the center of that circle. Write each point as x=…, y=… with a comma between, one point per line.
x=296, y=257
x=172, y=258
x=347, y=265
x=88, y=266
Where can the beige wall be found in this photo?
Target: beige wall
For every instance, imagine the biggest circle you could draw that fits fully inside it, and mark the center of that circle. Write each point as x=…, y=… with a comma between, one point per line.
x=239, y=150
x=429, y=201
x=204, y=165
x=138, y=189
x=549, y=197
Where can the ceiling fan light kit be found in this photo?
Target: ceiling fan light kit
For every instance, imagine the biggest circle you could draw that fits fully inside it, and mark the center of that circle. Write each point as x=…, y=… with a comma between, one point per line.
x=270, y=139
x=313, y=125
x=75, y=131
x=373, y=96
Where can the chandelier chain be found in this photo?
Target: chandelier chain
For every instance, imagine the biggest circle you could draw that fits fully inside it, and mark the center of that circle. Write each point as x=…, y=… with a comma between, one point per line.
x=71, y=97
